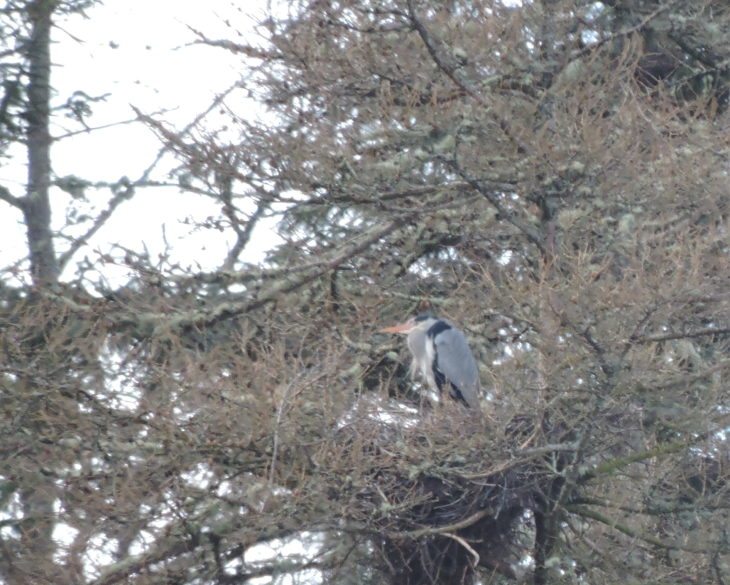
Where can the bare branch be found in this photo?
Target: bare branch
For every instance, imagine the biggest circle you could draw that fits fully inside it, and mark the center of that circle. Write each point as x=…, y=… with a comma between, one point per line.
x=465, y=544
x=689, y=378
x=125, y=191
x=8, y=197
x=634, y=533
x=227, y=310
x=510, y=216
x=682, y=335
x=450, y=528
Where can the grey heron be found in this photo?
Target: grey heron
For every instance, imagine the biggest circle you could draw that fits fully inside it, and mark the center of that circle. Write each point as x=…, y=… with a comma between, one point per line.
x=442, y=355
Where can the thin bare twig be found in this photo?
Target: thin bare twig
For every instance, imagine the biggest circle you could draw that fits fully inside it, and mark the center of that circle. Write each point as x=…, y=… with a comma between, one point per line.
x=125, y=192
x=465, y=544
x=432, y=530
x=682, y=335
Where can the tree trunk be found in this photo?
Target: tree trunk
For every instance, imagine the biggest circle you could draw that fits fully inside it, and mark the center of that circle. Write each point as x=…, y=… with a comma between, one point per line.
x=35, y=560
x=36, y=204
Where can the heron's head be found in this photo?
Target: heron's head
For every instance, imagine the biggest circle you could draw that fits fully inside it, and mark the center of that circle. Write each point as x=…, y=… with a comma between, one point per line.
x=423, y=321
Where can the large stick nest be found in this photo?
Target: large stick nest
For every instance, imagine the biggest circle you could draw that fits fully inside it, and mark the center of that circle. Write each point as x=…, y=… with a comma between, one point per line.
x=446, y=494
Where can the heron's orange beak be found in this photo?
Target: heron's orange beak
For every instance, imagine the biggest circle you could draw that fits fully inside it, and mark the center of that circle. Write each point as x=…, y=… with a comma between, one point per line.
x=400, y=328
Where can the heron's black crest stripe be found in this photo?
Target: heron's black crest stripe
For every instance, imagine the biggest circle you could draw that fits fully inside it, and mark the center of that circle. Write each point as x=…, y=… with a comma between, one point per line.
x=422, y=317
x=437, y=328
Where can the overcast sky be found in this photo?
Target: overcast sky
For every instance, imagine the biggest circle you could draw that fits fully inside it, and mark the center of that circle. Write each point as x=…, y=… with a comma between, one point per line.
x=141, y=54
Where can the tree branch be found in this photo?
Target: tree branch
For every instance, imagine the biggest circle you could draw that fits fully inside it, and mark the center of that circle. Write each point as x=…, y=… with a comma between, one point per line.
x=681, y=335
x=155, y=322
x=632, y=532
x=125, y=192
x=452, y=73
x=623, y=33
x=532, y=234
x=613, y=465
x=243, y=234
x=646, y=510
x=682, y=380
x=8, y=197
x=433, y=530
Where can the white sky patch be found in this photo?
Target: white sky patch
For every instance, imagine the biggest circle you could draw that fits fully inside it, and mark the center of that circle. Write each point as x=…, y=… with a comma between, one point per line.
x=505, y=257
x=99, y=554
x=224, y=488
x=395, y=413
x=142, y=54
x=12, y=510
x=200, y=476
x=387, y=411
x=303, y=548
x=63, y=535
x=144, y=49
x=122, y=392
x=146, y=538
x=141, y=543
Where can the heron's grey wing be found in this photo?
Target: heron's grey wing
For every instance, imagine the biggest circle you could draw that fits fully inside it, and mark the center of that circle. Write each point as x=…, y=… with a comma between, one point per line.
x=455, y=361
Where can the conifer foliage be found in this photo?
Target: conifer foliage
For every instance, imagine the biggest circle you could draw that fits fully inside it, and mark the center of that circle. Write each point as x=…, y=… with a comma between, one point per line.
x=550, y=174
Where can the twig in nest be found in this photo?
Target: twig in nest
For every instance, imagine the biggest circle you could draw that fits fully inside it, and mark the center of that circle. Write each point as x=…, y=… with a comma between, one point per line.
x=466, y=545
